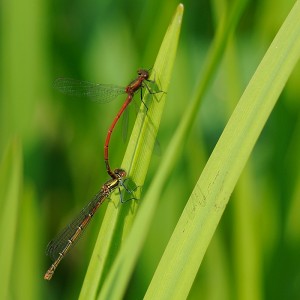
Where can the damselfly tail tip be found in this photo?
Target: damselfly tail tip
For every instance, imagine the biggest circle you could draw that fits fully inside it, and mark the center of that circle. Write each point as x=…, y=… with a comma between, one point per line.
x=48, y=274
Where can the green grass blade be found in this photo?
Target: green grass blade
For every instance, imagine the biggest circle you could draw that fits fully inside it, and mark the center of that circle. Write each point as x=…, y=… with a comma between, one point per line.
x=117, y=222
x=186, y=248
x=123, y=265
x=136, y=238
x=10, y=192
x=28, y=264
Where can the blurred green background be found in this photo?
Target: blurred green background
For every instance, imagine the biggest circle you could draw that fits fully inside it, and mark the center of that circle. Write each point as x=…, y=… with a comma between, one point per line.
x=255, y=251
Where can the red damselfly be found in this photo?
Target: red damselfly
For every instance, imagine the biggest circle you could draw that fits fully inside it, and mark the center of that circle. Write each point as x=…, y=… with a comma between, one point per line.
x=104, y=93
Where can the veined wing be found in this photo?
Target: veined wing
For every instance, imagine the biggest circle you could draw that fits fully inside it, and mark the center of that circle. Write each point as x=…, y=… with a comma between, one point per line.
x=101, y=93
x=59, y=243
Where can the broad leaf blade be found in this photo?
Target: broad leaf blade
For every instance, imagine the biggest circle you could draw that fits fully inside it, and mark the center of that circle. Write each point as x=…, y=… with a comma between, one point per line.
x=184, y=253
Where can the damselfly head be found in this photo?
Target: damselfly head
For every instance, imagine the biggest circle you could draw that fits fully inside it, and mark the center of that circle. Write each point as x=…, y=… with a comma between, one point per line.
x=143, y=73
x=120, y=173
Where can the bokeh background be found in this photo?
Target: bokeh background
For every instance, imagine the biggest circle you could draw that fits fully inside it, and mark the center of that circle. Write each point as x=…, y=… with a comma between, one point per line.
x=255, y=251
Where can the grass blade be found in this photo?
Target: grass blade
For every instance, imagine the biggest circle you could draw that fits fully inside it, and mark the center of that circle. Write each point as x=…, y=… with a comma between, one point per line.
x=10, y=192
x=184, y=253
x=117, y=222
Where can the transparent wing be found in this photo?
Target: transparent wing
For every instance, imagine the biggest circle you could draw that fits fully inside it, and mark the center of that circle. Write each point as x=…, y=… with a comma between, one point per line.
x=101, y=93
x=58, y=244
